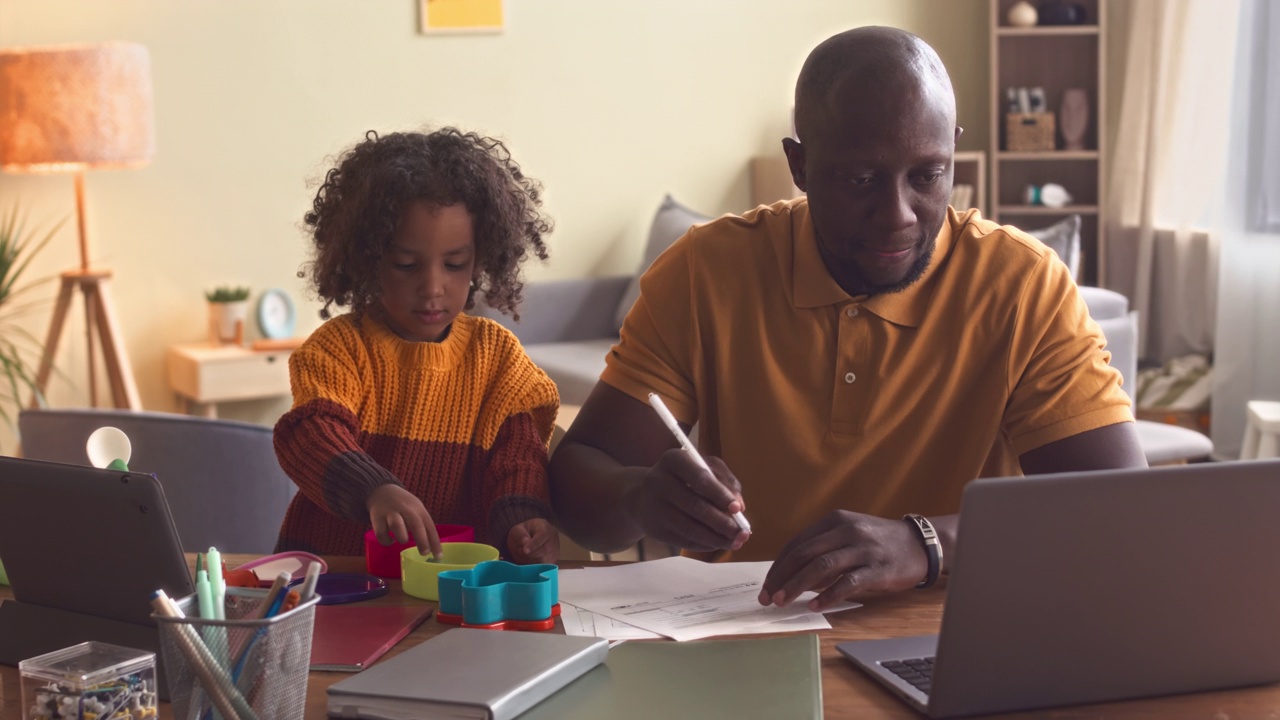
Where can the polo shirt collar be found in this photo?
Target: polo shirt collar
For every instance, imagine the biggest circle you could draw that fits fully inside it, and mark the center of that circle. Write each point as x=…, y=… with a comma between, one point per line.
x=812, y=286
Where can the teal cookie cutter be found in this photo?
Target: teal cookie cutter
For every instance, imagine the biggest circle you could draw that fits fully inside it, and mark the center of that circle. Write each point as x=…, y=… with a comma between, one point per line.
x=499, y=595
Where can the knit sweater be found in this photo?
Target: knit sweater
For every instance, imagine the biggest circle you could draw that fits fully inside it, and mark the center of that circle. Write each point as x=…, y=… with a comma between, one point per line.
x=463, y=424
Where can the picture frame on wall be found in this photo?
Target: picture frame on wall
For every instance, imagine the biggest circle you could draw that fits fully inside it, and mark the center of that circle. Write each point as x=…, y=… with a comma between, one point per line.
x=460, y=16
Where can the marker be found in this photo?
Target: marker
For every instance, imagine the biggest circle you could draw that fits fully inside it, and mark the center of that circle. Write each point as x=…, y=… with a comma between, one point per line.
x=213, y=561
x=204, y=591
x=670, y=421
x=309, y=583
x=218, y=591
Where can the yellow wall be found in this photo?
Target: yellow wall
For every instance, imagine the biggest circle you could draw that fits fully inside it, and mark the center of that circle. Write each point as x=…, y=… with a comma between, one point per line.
x=610, y=104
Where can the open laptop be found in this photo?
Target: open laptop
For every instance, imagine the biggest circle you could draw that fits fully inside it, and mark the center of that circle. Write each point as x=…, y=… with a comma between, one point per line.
x=84, y=549
x=1088, y=587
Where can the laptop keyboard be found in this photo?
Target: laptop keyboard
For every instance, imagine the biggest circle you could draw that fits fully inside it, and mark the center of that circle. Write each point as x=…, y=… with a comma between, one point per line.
x=917, y=671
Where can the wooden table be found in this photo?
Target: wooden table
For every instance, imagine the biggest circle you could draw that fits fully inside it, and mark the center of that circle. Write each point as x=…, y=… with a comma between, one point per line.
x=846, y=691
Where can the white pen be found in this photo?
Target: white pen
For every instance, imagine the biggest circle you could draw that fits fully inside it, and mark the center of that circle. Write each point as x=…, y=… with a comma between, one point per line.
x=670, y=421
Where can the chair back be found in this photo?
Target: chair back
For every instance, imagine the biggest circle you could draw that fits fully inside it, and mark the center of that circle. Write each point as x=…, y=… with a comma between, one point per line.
x=1119, y=327
x=221, y=478
x=1161, y=443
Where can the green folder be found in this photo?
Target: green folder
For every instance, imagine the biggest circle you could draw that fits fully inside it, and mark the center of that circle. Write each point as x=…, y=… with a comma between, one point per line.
x=777, y=677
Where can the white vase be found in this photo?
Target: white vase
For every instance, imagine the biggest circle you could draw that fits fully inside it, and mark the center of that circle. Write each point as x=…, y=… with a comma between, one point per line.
x=1023, y=14
x=1073, y=118
x=226, y=322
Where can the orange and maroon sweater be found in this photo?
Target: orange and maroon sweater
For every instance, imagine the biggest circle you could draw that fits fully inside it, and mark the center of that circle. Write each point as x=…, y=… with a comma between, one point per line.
x=463, y=424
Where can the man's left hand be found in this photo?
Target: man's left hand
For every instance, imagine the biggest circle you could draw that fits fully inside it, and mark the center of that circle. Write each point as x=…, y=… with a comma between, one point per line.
x=846, y=556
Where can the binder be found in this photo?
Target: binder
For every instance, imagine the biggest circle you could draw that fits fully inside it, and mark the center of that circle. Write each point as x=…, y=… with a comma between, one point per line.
x=765, y=678
x=467, y=673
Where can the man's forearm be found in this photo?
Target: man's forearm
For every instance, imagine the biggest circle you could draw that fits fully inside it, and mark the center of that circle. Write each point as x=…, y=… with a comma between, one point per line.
x=590, y=493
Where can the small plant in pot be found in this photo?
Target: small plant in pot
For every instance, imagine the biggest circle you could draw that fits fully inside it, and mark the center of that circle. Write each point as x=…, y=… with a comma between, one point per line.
x=228, y=312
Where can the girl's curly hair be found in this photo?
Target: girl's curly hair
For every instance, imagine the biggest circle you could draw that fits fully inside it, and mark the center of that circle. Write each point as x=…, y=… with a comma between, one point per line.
x=358, y=206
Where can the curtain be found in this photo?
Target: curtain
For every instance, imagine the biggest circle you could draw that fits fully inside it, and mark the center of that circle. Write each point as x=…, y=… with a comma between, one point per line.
x=1265, y=193
x=1247, y=361
x=1167, y=168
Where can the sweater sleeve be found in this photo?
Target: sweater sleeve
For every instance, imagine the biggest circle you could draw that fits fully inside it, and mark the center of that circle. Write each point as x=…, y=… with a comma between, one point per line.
x=523, y=406
x=516, y=482
x=317, y=442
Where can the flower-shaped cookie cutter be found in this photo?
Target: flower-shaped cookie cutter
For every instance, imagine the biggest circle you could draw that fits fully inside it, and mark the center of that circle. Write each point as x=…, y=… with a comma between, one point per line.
x=499, y=595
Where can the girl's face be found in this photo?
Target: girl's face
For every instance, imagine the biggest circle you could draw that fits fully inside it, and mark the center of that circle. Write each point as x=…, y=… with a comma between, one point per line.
x=426, y=273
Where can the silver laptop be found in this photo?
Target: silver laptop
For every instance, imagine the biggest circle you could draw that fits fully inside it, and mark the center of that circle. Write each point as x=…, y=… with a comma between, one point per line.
x=84, y=549
x=1089, y=587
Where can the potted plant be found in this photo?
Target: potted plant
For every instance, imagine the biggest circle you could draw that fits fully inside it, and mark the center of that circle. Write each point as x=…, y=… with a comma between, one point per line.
x=20, y=351
x=228, y=311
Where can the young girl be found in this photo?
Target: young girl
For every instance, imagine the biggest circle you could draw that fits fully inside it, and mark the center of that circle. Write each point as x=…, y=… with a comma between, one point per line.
x=407, y=412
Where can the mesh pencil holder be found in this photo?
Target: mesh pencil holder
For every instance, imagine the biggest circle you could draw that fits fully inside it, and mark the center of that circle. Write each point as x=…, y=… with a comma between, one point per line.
x=241, y=668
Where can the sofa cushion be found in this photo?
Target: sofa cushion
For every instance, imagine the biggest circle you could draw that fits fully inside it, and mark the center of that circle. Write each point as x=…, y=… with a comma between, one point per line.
x=1064, y=237
x=573, y=366
x=670, y=222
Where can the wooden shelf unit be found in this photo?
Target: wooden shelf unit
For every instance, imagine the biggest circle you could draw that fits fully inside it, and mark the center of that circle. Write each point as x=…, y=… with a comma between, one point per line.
x=971, y=169
x=1053, y=57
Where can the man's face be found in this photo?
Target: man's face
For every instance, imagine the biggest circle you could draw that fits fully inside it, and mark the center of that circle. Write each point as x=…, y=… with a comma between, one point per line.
x=425, y=275
x=878, y=172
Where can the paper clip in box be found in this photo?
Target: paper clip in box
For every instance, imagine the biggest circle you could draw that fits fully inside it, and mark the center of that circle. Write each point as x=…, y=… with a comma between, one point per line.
x=89, y=680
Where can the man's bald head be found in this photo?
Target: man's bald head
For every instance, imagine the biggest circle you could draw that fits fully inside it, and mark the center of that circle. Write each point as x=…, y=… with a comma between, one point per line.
x=866, y=65
x=876, y=127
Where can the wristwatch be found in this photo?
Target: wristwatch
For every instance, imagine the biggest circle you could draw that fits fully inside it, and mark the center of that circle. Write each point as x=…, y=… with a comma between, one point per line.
x=932, y=548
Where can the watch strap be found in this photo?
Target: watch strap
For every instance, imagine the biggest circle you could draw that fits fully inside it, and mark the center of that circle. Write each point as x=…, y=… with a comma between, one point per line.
x=932, y=547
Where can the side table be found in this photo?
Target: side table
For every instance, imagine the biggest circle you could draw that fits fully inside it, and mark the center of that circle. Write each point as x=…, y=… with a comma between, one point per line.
x=205, y=375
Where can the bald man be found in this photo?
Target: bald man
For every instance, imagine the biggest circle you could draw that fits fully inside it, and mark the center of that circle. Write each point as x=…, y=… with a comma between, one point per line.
x=852, y=358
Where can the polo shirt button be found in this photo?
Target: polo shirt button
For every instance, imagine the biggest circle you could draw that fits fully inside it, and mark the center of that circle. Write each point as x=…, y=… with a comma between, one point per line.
x=851, y=312
x=850, y=377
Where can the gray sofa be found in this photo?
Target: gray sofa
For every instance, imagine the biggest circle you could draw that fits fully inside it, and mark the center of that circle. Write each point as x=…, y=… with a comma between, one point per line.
x=568, y=326
x=1161, y=443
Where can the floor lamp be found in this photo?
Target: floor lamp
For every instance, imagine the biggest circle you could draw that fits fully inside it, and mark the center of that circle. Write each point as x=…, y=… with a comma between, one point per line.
x=72, y=109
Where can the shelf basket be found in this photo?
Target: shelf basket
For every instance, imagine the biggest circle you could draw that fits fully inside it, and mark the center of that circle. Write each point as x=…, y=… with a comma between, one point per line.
x=1030, y=132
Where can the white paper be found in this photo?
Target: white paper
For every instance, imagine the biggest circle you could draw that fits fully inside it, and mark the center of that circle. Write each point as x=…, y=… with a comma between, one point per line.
x=682, y=598
x=584, y=622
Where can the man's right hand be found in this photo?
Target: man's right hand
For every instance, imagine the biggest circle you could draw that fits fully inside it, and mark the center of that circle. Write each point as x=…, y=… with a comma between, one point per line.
x=679, y=503
x=398, y=514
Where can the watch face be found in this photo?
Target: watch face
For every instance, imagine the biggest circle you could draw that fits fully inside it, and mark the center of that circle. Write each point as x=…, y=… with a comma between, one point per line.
x=275, y=314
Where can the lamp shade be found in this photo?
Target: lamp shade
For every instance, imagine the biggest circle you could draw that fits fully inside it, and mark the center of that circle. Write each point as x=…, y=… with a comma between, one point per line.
x=76, y=107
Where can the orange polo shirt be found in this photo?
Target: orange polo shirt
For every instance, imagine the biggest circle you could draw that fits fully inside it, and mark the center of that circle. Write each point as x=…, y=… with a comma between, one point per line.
x=883, y=404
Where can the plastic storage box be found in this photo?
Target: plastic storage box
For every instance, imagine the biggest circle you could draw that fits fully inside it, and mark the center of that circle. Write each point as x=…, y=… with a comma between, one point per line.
x=90, y=680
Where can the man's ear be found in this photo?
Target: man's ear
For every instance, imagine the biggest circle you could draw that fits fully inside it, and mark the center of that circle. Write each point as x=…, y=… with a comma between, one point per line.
x=795, y=160
x=959, y=132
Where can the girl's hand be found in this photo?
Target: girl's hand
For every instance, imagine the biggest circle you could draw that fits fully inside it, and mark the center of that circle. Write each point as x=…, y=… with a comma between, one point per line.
x=398, y=514
x=534, y=541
